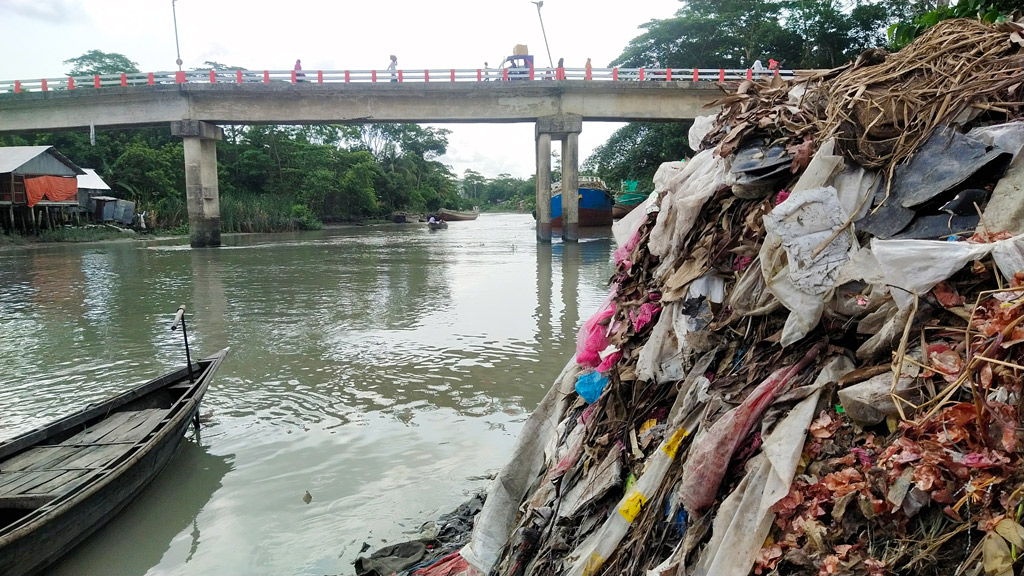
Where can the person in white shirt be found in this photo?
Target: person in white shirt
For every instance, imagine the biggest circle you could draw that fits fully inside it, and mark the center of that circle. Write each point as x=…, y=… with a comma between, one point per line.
x=392, y=67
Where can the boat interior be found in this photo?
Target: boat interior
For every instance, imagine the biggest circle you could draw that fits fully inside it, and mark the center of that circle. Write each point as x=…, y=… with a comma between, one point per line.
x=69, y=458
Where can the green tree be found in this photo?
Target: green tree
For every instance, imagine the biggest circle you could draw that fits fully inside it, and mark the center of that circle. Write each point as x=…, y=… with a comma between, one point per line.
x=98, y=62
x=635, y=151
x=910, y=26
x=473, y=184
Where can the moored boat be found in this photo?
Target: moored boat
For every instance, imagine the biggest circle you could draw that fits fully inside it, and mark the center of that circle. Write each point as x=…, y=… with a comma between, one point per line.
x=456, y=215
x=595, y=208
x=61, y=482
x=625, y=202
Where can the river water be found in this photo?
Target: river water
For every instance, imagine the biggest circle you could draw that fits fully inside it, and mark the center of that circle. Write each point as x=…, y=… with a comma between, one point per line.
x=385, y=369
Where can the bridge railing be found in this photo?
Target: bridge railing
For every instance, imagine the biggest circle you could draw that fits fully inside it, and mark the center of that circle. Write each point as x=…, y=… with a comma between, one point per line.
x=374, y=76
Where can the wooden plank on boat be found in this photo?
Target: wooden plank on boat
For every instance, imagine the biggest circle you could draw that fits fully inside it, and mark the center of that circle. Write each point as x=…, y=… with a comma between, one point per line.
x=97, y=456
x=104, y=455
x=138, y=418
x=139, y=428
x=41, y=458
x=25, y=502
x=28, y=480
x=94, y=433
x=123, y=432
x=12, y=480
x=67, y=480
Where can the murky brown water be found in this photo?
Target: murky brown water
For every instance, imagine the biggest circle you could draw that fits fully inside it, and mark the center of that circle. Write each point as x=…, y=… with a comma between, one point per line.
x=379, y=368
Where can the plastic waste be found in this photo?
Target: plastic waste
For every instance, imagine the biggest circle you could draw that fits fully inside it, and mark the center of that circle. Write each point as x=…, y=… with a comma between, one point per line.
x=708, y=459
x=590, y=386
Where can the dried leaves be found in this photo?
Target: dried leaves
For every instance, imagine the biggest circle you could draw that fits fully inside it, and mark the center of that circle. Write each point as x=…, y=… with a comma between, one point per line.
x=882, y=113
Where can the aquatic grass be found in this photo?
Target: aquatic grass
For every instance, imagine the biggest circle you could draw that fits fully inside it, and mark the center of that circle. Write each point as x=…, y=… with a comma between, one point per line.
x=263, y=213
x=84, y=234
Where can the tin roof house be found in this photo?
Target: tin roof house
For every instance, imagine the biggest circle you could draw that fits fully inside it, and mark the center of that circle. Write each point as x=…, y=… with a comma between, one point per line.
x=33, y=176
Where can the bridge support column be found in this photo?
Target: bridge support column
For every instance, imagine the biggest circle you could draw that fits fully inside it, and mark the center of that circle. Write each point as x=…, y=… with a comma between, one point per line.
x=202, y=194
x=566, y=128
x=543, y=187
x=570, y=185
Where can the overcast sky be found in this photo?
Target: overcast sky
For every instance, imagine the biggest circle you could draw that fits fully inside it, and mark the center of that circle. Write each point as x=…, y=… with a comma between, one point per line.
x=36, y=36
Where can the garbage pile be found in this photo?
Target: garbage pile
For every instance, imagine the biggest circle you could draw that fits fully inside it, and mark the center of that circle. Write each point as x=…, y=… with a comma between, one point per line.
x=811, y=359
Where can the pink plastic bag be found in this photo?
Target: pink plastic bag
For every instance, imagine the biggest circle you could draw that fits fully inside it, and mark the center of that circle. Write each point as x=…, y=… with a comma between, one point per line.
x=593, y=336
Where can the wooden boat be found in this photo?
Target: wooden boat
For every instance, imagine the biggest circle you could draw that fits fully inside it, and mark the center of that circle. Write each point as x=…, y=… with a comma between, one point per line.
x=624, y=203
x=63, y=481
x=595, y=204
x=437, y=225
x=456, y=216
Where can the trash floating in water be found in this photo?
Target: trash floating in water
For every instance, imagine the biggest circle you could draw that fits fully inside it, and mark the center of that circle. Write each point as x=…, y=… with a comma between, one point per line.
x=307, y=497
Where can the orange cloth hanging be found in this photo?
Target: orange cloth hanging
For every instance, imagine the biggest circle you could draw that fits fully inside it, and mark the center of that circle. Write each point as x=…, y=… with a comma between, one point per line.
x=52, y=188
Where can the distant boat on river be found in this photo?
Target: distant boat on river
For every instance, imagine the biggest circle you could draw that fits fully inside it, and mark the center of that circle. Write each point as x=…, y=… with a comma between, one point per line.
x=457, y=216
x=595, y=204
x=437, y=225
x=63, y=481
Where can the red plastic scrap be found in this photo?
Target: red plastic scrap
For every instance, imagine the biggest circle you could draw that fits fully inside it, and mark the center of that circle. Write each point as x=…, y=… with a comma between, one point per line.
x=947, y=295
x=709, y=460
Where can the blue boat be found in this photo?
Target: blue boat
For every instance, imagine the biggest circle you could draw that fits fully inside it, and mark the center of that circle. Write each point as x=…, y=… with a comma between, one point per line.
x=595, y=204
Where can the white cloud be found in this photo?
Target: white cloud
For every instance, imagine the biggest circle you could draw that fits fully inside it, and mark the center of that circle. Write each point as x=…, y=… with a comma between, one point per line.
x=45, y=11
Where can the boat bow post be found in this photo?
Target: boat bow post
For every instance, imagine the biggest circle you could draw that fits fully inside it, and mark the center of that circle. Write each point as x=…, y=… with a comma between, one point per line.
x=179, y=318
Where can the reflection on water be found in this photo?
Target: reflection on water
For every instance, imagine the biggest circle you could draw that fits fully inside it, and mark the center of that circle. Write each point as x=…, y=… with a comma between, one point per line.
x=376, y=367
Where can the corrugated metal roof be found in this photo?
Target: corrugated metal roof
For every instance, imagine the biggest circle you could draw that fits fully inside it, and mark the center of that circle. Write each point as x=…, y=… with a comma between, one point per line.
x=13, y=157
x=91, y=180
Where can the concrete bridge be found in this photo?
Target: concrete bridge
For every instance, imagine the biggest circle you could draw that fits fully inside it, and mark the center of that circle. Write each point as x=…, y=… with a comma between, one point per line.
x=558, y=101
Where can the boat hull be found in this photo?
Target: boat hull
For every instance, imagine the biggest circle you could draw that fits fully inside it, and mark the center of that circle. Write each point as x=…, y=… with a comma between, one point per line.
x=437, y=225
x=625, y=203
x=44, y=535
x=456, y=216
x=595, y=208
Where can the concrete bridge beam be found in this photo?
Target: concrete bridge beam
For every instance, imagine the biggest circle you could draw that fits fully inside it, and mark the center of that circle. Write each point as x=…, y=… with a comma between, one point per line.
x=201, y=191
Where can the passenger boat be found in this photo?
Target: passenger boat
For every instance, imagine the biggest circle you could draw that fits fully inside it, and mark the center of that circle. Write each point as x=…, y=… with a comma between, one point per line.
x=595, y=204
x=457, y=216
x=63, y=481
x=437, y=225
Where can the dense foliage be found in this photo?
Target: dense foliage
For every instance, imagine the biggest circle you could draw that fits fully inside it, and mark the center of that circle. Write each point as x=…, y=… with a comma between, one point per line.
x=904, y=32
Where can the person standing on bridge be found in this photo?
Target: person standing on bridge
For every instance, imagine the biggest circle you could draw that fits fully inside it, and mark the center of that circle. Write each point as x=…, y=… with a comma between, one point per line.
x=487, y=72
x=589, y=76
x=300, y=76
x=560, y=72
x=392, y=67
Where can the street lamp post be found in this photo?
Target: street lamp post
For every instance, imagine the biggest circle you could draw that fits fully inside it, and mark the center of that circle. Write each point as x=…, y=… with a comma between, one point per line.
x=176, y=46
x=551, y=62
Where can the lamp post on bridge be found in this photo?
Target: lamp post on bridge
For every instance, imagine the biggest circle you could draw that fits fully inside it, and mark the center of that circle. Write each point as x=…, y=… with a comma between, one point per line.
x=174, y=13
x=551, y=62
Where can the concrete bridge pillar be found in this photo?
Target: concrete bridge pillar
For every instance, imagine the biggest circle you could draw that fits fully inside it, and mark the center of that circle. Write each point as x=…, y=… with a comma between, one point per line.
x=566, y=128
x=543, y=187
x=202, y=194
x=570, y=185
